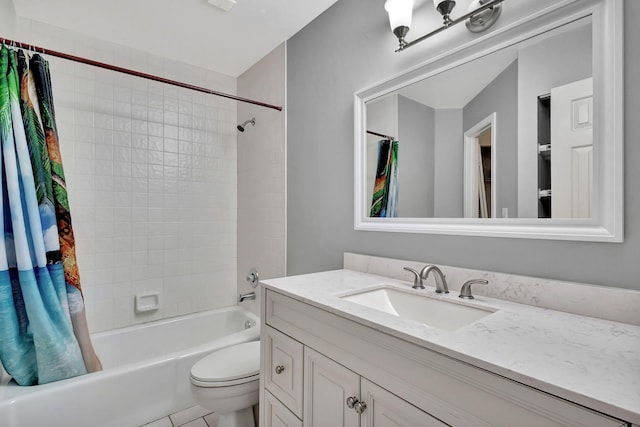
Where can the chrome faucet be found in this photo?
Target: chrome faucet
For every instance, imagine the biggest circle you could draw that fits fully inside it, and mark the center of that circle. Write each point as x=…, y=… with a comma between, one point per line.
x=441, y=282
x=250, y=295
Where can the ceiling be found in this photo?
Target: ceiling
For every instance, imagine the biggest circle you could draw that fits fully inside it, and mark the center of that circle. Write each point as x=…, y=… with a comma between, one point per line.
x=457, y=86
x=189, y=31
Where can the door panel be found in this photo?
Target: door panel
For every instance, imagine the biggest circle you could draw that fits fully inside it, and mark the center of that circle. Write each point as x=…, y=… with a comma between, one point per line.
x=571, y=150
x=277, y=415
x=283, y=369
x=385, y=409
x=327, y=385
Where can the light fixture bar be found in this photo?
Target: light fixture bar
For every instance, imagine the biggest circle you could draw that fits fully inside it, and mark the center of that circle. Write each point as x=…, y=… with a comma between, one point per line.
x=463, y=18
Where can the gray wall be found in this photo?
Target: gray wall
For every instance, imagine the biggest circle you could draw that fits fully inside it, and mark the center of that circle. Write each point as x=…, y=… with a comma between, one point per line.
x=501, y=97
x=449, y=173
x=415, y=159
x=350, y=47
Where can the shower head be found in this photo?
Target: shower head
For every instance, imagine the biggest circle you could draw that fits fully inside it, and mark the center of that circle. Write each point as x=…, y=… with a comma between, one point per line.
x=242, y=126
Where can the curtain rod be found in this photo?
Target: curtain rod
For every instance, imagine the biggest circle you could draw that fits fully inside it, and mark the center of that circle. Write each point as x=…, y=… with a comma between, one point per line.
x=381, y=135
x=37, y=49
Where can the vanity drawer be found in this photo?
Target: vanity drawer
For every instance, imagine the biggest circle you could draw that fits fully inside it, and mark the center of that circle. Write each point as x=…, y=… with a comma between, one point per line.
x=276, y=414
x=283, y=369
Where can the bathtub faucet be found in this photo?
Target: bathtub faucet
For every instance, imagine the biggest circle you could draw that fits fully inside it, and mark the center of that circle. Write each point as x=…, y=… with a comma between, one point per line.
x=250, y=295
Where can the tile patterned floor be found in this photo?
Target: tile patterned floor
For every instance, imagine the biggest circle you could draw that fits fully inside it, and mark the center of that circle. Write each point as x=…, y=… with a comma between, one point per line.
x=195, y=416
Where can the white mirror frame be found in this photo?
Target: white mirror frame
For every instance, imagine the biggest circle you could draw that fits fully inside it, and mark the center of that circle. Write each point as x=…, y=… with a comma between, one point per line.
x=607, y=222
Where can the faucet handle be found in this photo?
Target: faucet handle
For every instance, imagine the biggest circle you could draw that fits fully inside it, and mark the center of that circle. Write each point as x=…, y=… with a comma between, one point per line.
x=465, y=292
x=417, y=278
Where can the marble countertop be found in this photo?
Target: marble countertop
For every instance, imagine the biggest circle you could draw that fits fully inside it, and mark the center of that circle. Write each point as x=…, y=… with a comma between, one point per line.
x=592, y=362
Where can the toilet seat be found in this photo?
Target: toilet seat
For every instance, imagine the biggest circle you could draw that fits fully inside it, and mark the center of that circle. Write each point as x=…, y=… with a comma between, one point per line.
x=233, y=365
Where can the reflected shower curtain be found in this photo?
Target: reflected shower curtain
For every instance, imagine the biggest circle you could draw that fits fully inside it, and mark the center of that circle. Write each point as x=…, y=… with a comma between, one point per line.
x=385, y=187
x=43, y=330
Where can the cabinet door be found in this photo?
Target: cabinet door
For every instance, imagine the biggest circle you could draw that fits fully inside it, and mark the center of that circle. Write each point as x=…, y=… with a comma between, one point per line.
x=277, y=415
x=327, y=385
x=283, y=369
x=388, y=410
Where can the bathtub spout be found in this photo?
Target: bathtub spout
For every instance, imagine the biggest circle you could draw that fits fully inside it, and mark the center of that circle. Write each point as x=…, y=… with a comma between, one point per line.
x=250, y=295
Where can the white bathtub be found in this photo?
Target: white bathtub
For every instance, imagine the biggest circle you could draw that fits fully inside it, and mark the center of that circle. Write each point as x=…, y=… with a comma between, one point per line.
x=145, y=376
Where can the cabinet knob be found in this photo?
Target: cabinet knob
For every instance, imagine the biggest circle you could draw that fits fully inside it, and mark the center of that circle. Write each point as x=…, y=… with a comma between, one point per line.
x=351, y=401
x=279, y=369
x=354, y=403
x=360, y=407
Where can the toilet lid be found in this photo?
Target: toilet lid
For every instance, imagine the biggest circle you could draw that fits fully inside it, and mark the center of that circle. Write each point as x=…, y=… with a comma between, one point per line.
x=229, y=364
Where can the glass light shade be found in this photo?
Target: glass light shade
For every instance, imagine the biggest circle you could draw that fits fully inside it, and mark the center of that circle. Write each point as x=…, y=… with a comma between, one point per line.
x=399, y=13
x=445, y=7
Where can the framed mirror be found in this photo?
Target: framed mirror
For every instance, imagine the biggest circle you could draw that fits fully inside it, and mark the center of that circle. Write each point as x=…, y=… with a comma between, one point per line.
x=516, y=135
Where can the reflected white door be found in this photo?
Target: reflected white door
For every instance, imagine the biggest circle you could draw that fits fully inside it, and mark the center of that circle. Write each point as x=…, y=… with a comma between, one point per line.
x=572, y=150
x=472, y=166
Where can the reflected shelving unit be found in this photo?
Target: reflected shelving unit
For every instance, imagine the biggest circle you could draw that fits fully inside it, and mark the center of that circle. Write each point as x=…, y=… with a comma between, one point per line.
x=544, y=156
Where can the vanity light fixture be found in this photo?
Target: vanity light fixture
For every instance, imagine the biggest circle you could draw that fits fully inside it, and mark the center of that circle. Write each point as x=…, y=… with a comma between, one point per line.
x=482, y=15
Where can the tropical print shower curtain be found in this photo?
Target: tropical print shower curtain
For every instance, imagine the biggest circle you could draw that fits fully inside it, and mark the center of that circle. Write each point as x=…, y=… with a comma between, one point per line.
x=43, y=329
x=385, y=187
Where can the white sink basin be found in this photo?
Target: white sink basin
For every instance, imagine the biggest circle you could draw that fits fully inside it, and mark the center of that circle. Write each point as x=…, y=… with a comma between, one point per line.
x=435, y=312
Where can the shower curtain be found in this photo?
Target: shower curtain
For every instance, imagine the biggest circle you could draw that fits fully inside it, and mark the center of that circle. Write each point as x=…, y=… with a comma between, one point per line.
x=43, y=330
x=385, y=187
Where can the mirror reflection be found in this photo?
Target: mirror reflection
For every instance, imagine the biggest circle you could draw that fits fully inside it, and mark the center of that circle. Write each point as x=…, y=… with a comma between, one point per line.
x=508, y=135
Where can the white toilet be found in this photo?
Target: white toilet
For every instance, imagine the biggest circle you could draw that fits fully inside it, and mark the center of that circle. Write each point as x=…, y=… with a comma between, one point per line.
x=227, y=382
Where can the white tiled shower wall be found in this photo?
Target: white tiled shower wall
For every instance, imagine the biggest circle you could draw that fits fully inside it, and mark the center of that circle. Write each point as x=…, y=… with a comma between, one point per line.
x=152, y=178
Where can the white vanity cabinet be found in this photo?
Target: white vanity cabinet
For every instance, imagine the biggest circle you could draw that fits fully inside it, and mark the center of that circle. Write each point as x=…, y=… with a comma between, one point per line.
x=332, y=395
x=327, y=386
x=338, y=397
x=282, y=369
x=276, y=414
x=331, y=359
x=386, y=409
